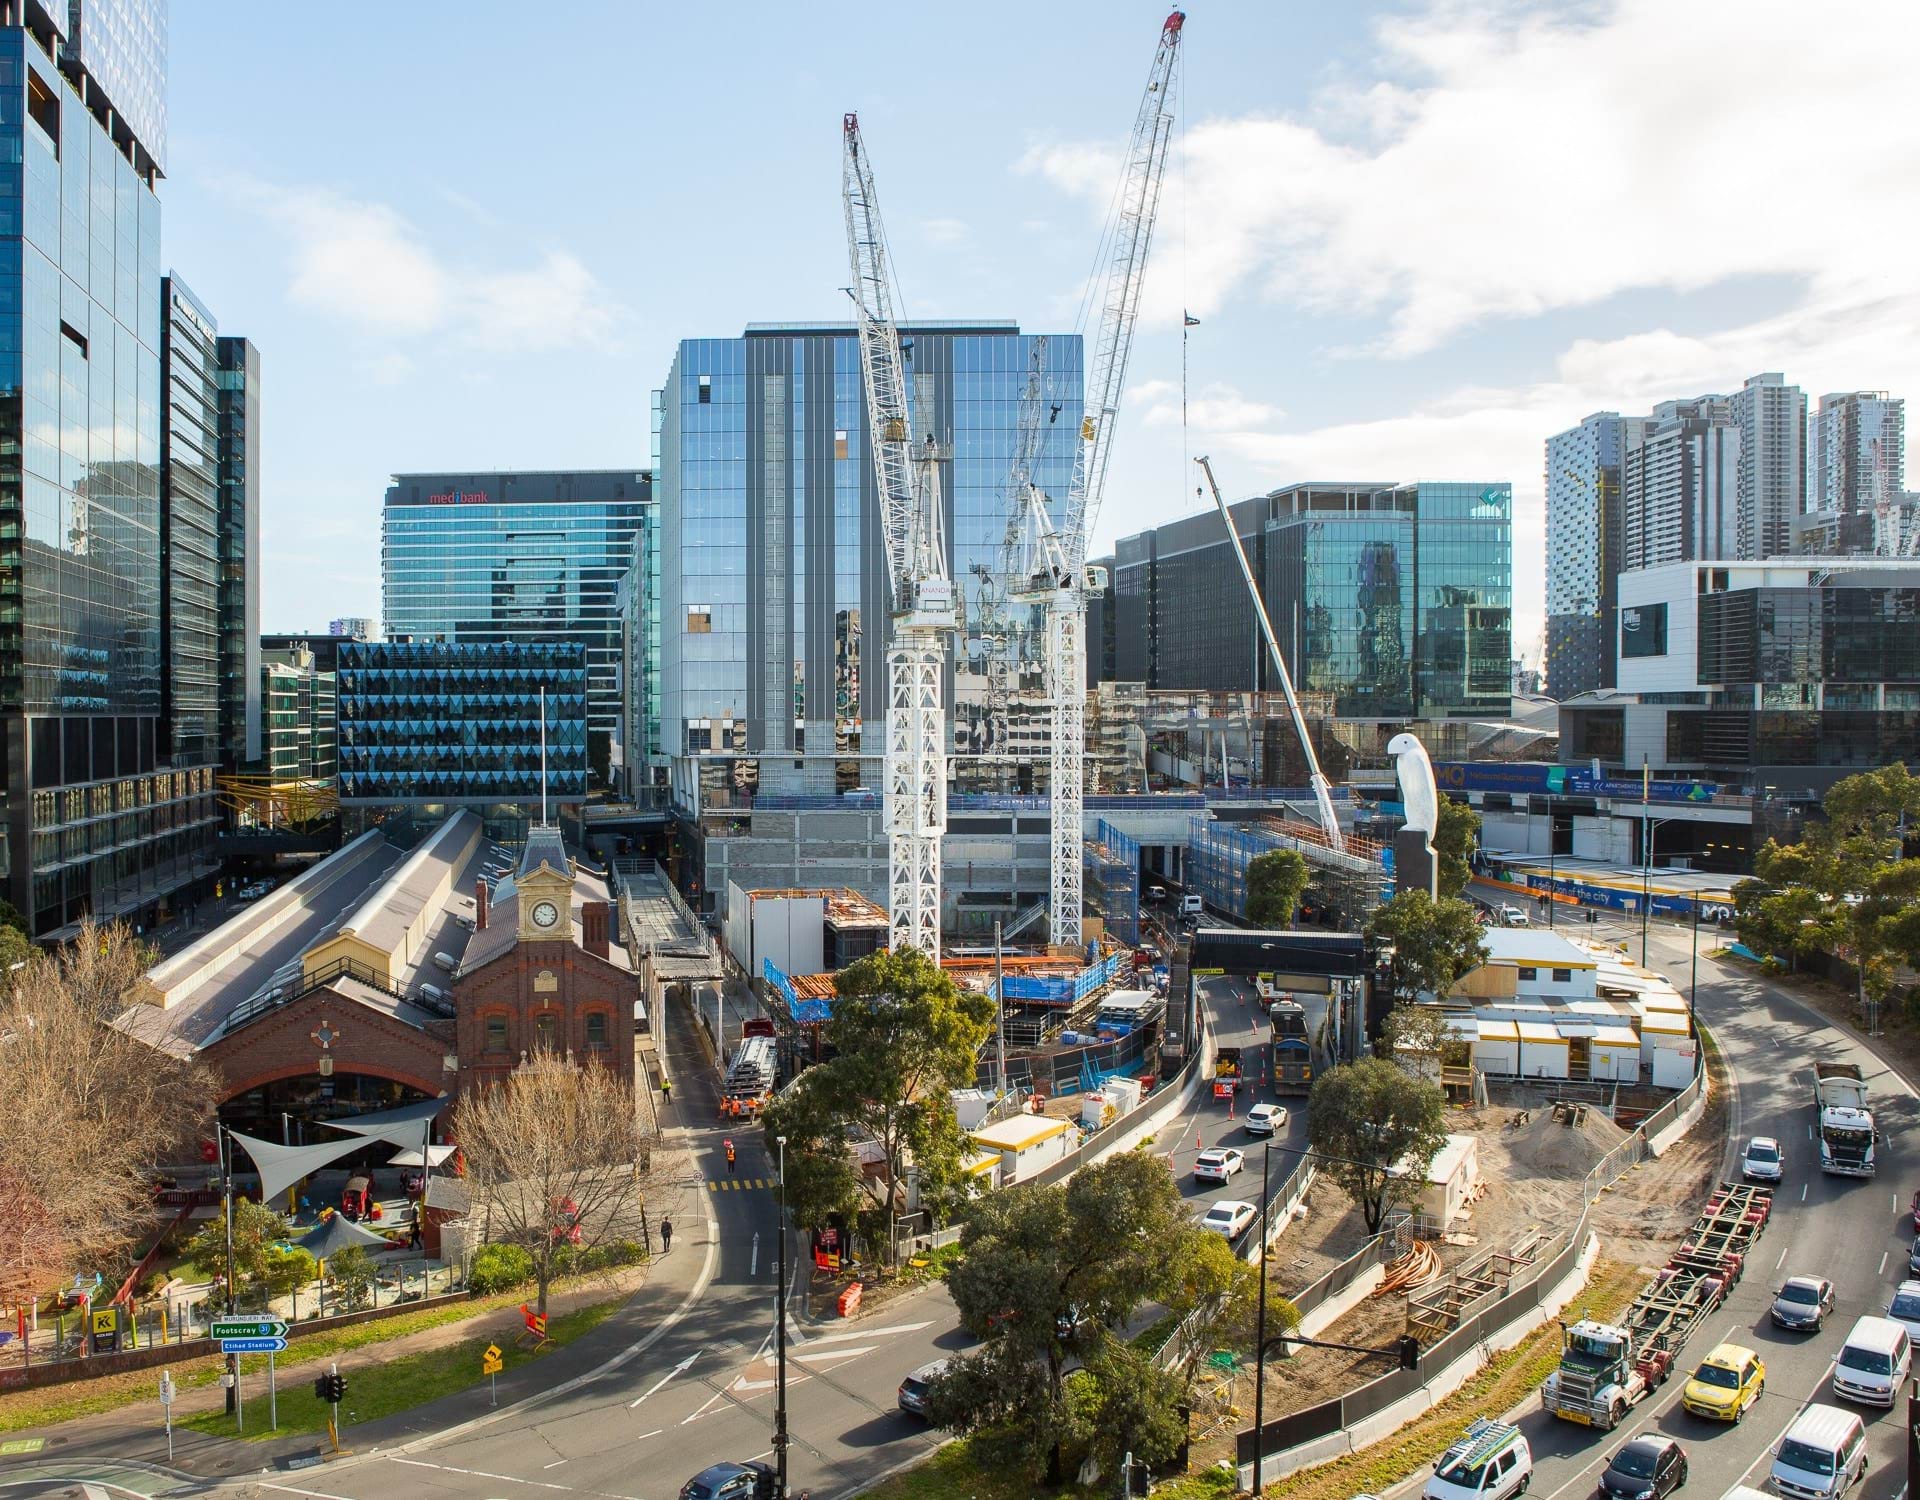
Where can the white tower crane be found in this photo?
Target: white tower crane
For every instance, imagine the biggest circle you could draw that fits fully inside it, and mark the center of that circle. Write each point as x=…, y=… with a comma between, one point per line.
x=923, y=621
x=1059, y=575
x=998, y=628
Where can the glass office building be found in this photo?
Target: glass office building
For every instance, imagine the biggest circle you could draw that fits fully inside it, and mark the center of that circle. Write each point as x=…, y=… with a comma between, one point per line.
x=98, y=821
x=189, y=529
x=427, y=727
x=773, y=587
x=238, y=382
x=1395, y=603
x=506, y=557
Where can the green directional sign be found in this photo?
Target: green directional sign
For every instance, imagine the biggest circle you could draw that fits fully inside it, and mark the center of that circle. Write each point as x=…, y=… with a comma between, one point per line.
x=249, y=1328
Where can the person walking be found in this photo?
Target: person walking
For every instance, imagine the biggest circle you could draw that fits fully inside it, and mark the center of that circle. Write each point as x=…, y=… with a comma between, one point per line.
x=666, y=1235
x=729, y=1145
x=666, y=1090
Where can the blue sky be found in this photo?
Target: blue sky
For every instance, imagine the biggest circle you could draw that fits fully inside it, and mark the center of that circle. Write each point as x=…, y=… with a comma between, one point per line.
x=1420, y=236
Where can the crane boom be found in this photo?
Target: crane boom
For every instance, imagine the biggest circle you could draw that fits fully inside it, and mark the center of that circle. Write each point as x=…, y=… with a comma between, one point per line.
x=922, y=620
x=1322, y=792
x=1061, y=580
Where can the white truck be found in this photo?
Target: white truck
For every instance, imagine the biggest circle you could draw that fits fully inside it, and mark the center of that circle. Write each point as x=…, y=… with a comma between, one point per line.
x=750, y=1078
x=1846, y=1126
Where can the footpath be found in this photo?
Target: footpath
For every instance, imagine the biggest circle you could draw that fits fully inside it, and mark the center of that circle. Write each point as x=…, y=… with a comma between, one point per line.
x=662, y=1291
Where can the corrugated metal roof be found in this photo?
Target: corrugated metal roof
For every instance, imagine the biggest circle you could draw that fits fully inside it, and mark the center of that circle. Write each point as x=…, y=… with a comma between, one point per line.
x=382, y=920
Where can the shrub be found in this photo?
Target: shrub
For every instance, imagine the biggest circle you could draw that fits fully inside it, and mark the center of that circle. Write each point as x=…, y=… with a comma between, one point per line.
x=499, y=1268
x=157, y=1282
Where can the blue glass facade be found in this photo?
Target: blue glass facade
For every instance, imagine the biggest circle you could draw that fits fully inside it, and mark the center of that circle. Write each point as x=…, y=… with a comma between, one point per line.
x=457, y=724
x=773, y=595
x=534, y=557
x=189, y=529
x=98, y=819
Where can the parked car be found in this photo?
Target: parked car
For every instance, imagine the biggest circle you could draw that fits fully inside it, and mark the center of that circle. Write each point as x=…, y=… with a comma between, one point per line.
x=1218, y=1165
x=912, y=1394
x=1265, y=1119
x=1229, y=1217
x=1762, y=1161
x=1728, y=1381
x=1803, y=1302
x=729, y=1482
x=1648, y=1468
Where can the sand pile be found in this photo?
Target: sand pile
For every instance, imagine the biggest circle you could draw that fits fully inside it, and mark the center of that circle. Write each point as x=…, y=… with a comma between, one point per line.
x=1549, y=1147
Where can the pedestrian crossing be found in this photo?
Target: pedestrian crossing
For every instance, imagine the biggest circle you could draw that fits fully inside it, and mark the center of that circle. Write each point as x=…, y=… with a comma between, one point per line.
x=738, y=1184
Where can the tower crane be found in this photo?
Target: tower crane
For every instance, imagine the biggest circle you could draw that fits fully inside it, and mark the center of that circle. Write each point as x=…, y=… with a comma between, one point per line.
x=998, y=628
x=1322, y=792
x=1058, y=576
x=922, y=606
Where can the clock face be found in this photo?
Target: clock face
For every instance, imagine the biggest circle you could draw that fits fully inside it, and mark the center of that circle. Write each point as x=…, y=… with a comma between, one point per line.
x=545, y=914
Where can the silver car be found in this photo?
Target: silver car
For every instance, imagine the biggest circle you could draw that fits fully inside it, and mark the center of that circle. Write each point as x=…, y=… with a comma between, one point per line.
x=1803, y=1303
x=912, y=1394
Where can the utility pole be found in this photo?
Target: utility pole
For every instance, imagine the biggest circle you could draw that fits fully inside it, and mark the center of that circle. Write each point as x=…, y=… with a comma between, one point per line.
x=223, y=1144
x=1260, y=1332
x=780, y=1341
x=999, y=1014
x=1646, y=853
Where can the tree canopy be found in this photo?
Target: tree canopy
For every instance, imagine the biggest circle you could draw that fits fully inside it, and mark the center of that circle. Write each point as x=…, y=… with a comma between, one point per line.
x=1377, y=1128
x=1048, y=1272
x=1844, y=888
x=1276, y=881
x=1434, y=942
x=902, y=1036
x=1455, y=841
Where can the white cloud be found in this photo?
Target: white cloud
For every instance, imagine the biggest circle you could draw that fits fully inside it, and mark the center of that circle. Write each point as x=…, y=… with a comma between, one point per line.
x=1517, y=160
x=945, y=233
x=368, y=266
x=1215, y=407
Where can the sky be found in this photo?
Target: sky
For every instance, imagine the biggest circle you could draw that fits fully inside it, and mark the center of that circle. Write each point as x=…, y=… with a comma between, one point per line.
x=1419, y=237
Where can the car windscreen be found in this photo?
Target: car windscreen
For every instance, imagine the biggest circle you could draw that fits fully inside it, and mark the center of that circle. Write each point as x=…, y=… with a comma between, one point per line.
x=1906, y=1305
x=1716, y=1375
x=1794, y=1291
x=1812, y=1459
x=1759, y=1152
x=1466, y=1478
x=1867, y=1361
x=1635, y=1462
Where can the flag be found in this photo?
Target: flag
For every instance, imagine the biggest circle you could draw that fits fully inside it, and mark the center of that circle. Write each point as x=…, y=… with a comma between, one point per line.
x=1191, y=320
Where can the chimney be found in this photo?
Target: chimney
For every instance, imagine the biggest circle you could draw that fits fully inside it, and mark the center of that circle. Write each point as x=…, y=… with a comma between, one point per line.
x=480, y=904
x=595, y=924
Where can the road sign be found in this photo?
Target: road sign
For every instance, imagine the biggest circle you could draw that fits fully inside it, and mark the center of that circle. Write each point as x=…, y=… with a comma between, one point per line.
x=492, y=1352
x=248, y=1328
x=166, y=1388
x=15, y=1446
x=491, y=1366
x=252, y=1346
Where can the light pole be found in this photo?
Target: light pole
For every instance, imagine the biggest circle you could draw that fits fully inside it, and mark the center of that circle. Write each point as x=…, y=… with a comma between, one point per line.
x=780, y=1341
x=1260, y=1333
x=1553, y=838
x=1693, y=983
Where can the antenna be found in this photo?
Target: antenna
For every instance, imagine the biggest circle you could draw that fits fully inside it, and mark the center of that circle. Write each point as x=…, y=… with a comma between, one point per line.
x=543, y=757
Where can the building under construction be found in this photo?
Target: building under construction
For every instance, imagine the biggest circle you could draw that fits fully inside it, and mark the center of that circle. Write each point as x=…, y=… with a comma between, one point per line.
x=1350, y=882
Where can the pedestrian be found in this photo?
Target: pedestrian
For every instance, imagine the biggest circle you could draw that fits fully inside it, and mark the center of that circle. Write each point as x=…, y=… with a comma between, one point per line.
x=666, y=1090
x=413, y=1234
x=729, y=1145
x=666, y=1235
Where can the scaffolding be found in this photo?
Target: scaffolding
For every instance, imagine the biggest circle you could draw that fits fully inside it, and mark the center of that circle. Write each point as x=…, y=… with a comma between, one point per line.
x=1355, y=880
x=260, y=802
x=1113, y=881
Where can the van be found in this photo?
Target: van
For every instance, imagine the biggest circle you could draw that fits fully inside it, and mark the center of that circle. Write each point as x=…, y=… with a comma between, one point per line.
x=1192, y=906
x=1872, y=1365
x=1823, y=1453
x=1490, y=1462
x=434, y=993
x=445, y=962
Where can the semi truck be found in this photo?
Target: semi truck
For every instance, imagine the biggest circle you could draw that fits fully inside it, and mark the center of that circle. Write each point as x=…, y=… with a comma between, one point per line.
x=1846, y=1126
x=1292, y=1050
x=750, y=1078
x=1607, y=1368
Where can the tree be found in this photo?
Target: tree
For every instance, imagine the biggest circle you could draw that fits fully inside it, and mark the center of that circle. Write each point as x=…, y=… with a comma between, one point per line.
x=1131, y=1406
x=15, y=950
x=1418, y=1031
x=261, y=1269
x=10, y=917
x=1215, y=1295
x=1377, y=1129
x=556, y=1159
x=1047, y=1270
x=98, y=1093
x=350, y=1273
x=1455, y=841
x=1276, y=881
x=1434, y=942
x=902, y=1035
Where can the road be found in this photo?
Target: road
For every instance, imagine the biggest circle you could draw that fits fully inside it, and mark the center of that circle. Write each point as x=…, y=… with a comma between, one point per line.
x=1853, y=1231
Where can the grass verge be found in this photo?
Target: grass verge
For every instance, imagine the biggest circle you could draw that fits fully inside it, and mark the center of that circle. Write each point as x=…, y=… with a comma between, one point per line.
x=380, y=1390
x=46, y=1405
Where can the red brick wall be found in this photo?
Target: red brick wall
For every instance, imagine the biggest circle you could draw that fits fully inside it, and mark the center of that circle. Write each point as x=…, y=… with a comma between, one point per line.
x=584, y=985
x=281, y=1045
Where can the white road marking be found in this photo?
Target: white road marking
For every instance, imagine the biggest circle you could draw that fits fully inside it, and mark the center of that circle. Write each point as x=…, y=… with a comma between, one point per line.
x=538, y=1484
x=869, y=1333
x=645, y=1435
x=753, y=1269
x=679, y=1369
x=1883, y=1262
x=554, y=1465
x=717, y=1395
x=1803, y=1192
x=288, y=1489
x=821, y=1354
x=1781, y=1261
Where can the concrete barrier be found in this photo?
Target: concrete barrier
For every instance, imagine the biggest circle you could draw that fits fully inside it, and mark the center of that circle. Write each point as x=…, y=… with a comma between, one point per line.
x=168, y=983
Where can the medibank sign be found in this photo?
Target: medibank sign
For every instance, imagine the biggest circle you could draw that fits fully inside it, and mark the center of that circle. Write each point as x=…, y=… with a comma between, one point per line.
x=460, y=497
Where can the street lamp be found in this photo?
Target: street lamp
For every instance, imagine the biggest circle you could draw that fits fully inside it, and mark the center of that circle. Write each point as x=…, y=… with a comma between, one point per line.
x=1260, y=1332
x=780, y=1340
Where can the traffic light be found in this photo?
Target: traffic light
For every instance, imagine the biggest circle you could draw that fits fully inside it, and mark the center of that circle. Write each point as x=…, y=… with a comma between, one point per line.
x=321, y=1385
x=1409, y=1348
x=330, y=1387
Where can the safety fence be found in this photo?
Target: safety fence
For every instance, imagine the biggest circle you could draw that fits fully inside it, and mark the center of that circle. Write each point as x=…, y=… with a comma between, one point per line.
x=1068, y=1072
x=1637, y=1147
x=1102, y=1141
x=1113, y=880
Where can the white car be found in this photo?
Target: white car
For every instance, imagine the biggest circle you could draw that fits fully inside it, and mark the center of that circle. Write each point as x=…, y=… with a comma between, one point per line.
x=1762, y=1161
x=1229, y=1217
x=1217, y=1165
x=1905, y=1307
x=1265, y=1119
x=1514, y=917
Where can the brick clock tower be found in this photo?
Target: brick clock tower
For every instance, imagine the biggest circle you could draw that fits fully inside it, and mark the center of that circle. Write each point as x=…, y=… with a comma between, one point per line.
x=542, y=974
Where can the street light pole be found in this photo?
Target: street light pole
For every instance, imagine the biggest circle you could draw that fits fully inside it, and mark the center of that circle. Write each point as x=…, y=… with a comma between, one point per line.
x=780, y=1342
x=1693, y=983
x=1553, y=885
x=1260, y=1333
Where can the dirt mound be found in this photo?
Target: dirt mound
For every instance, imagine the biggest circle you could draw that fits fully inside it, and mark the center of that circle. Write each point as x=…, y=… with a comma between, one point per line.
x=1566, y=1147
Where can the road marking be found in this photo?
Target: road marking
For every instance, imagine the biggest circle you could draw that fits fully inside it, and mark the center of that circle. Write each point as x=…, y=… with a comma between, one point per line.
x=1803, y=1192
x=290, y=1490
x=835, y=1353
x=871, y=1333
x=1781, y=1261
x=679, y=1369
x=554, y=1465
x=1883, y=1263
x=538, y=1484
x=753, y=1269
x=703, y=1410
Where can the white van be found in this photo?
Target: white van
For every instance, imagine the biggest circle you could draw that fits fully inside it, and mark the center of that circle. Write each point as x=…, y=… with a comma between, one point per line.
x=434, y=993
x=1192, y=906
x=1872, y=1365
x=1823, y=1453
x=1490, y=1462
x=446, y=962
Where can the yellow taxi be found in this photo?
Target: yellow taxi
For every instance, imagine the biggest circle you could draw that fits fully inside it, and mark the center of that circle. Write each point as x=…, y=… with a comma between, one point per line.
x=1729, y=1380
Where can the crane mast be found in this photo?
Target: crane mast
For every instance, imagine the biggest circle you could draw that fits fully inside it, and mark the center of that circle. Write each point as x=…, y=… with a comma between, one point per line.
x=922, y=615
x=1060, y=578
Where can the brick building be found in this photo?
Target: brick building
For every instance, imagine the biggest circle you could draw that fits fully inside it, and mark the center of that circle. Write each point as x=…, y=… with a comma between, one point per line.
x=541, y=973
